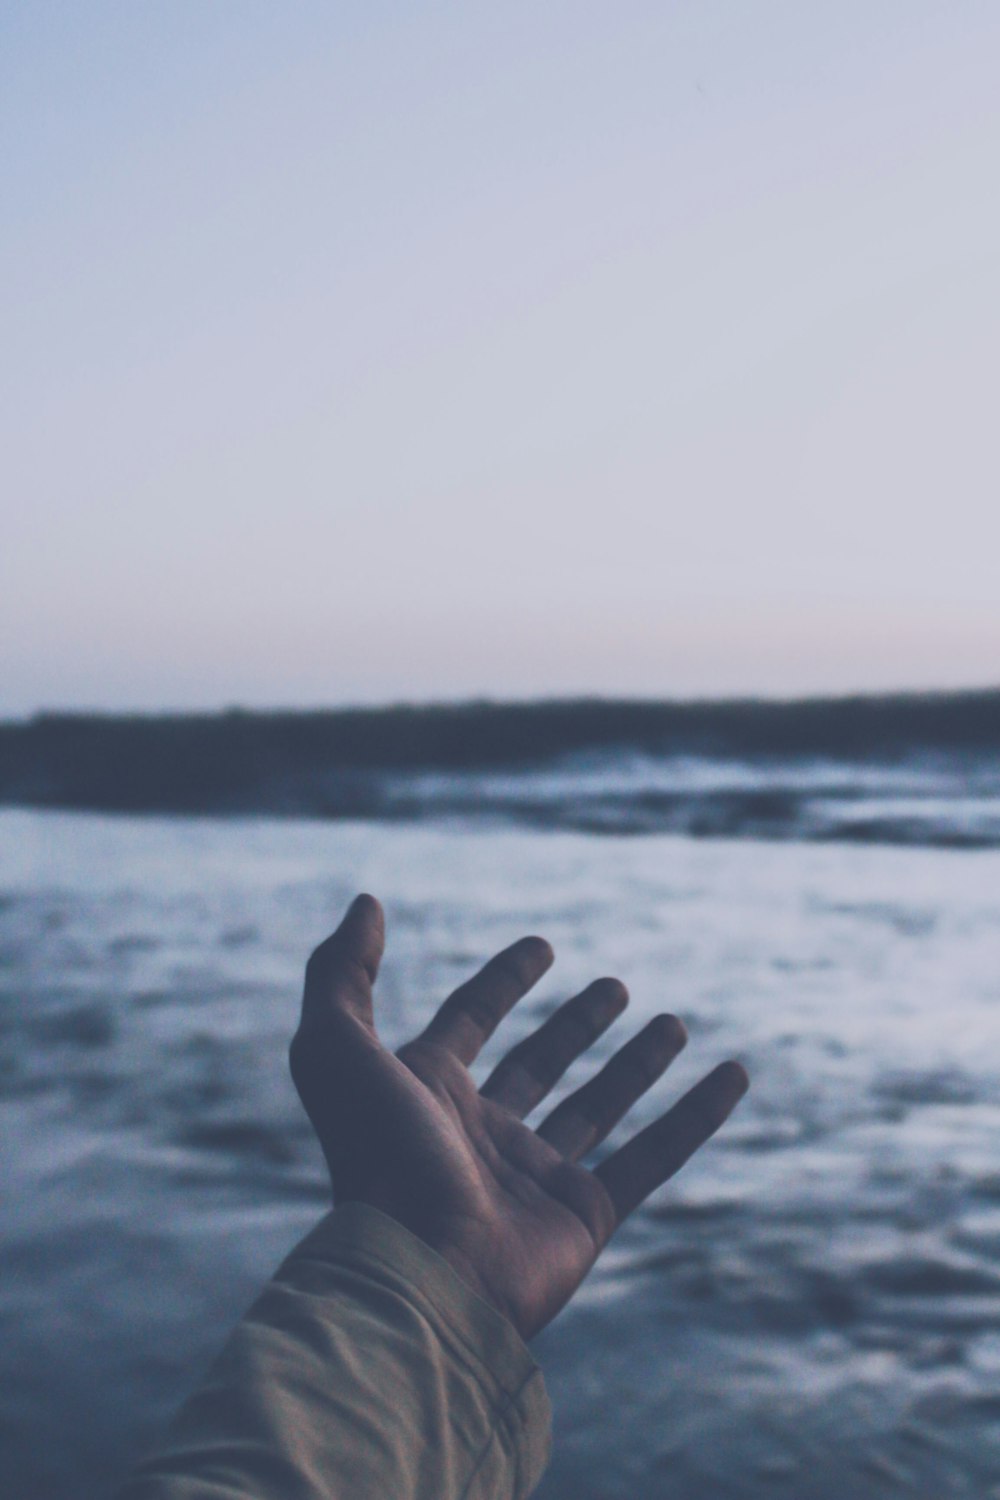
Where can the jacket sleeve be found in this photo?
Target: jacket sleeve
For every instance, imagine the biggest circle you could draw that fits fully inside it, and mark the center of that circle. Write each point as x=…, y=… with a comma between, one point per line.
x=367, y=1367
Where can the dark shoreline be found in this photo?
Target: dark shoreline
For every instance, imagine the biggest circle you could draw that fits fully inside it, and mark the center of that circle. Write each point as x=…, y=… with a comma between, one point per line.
x=332, y=762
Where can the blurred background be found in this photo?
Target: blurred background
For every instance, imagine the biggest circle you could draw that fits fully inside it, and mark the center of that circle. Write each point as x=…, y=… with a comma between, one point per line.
x=537, y=463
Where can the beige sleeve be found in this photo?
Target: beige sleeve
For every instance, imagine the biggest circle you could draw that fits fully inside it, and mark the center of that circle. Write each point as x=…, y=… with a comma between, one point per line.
x=367, y=1367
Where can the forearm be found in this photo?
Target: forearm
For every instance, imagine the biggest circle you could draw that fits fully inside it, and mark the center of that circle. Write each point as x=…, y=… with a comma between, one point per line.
x=367, y=1367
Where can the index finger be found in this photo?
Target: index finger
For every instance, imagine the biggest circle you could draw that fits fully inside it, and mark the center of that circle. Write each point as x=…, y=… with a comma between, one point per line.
x=656, y=1153
x=471, y=1015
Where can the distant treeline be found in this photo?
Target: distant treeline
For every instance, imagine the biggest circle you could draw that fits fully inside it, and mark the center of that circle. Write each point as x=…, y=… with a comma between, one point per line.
x=332, y=762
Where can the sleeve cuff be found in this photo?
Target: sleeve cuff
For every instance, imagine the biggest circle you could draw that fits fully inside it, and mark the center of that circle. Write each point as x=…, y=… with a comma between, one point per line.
x=364, y=1239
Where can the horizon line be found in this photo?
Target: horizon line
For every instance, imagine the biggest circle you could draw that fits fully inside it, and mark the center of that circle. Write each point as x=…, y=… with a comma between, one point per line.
x=485, y=701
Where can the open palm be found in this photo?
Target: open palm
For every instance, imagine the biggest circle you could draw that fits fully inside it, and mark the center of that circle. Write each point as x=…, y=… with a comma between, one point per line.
x=508, y=1207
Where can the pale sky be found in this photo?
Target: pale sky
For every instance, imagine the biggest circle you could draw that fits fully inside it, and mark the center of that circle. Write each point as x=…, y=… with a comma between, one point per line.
x=402, y=351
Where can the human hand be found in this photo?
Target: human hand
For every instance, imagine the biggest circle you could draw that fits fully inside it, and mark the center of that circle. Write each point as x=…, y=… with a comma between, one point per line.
x=508, y=1207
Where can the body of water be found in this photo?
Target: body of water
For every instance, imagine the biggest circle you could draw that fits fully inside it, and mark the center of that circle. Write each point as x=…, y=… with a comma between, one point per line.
x=812, y=1309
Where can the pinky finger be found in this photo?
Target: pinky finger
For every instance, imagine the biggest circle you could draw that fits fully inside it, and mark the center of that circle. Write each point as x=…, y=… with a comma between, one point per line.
x=656, y=1153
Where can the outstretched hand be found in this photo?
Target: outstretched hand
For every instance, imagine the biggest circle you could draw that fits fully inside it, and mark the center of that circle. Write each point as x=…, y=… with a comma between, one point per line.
x=508, y=1207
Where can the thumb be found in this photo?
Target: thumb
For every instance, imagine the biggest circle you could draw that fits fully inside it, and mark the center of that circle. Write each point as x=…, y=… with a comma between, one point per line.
x=323, y=1055
x=342, y=970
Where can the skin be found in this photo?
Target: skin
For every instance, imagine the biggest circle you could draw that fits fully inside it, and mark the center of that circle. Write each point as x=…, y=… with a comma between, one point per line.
x=510, y=1208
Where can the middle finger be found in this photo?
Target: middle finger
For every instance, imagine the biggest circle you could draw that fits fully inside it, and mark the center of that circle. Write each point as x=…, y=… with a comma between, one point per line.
x=582, y=1121
x=531, y=1068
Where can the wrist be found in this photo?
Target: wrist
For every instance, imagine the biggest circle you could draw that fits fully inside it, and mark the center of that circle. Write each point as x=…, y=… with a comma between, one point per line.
x=466, y=1269
x=465, y=1266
